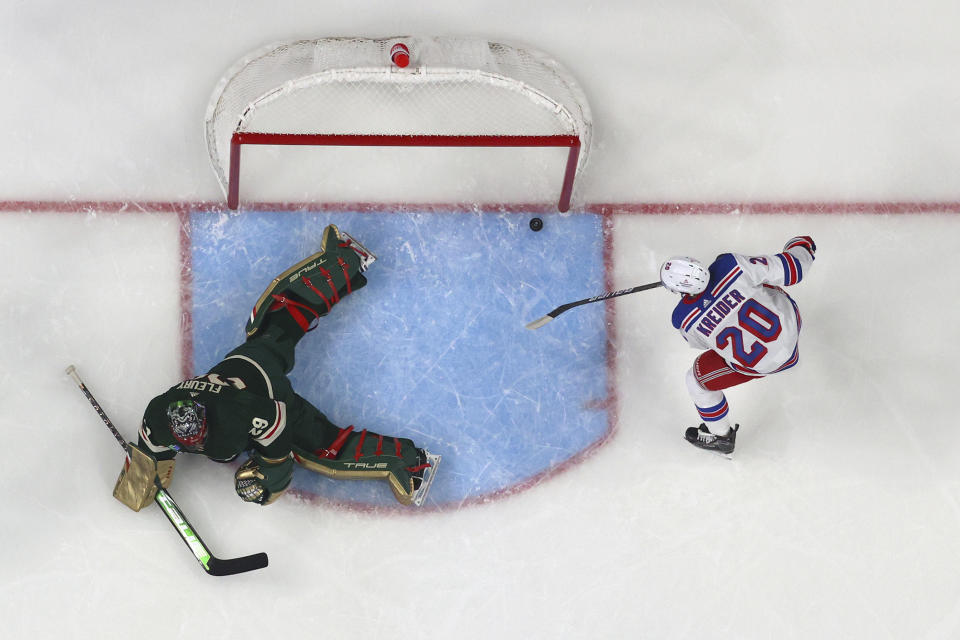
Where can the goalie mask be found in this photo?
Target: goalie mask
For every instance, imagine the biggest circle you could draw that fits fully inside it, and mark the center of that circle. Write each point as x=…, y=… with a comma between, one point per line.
x=684, y=275
x=188, y=423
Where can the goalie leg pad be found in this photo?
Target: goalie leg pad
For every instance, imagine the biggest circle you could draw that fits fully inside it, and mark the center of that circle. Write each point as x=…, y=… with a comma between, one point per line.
x=366, y=455
x=310, y=288
x=136, y=486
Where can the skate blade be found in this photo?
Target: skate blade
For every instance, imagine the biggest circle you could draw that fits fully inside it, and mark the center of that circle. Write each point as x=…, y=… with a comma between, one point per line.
x=428, y=476
x=716, y=452
x=721, y=454
x=367, y=257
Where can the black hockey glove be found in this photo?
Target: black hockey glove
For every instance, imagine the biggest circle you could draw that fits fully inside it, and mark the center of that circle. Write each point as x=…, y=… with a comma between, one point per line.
x=262, y=480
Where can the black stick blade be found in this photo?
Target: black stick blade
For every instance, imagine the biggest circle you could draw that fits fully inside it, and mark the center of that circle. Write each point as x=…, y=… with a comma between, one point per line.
x=232, y=566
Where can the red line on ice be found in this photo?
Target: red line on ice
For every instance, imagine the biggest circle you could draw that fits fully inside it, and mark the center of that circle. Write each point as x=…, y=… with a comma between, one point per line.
x=904, y=207
x=606, y=211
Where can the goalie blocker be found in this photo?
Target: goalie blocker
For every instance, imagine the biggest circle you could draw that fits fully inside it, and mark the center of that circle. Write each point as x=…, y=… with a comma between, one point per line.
x=246, y=402
x=135, y=486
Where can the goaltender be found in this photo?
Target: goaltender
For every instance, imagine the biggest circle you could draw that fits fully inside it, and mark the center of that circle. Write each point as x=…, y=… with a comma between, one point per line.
x=246, y=403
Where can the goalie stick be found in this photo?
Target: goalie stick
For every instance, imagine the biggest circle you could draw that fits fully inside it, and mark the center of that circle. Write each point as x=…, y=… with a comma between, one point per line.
x=536, y=324
x=211, y=564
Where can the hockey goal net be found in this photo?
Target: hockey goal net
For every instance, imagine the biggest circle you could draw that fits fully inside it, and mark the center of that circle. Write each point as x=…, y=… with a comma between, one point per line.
x=455, y=92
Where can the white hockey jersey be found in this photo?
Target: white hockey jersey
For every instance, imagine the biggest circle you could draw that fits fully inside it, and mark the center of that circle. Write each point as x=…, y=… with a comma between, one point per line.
x=744, y=315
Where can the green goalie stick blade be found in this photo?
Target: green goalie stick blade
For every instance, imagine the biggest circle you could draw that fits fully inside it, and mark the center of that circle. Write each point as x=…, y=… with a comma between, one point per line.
x=536, y=324
x=210, y=563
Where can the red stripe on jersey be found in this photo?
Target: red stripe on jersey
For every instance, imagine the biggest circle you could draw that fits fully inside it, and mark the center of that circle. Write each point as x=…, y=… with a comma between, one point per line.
x=792, y=361
x=280, y=422
x=792, y=264
x=800, y=242
x=730, y=276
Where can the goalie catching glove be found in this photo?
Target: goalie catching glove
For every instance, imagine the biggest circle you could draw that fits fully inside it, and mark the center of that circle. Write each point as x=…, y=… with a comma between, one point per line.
x=262, y=480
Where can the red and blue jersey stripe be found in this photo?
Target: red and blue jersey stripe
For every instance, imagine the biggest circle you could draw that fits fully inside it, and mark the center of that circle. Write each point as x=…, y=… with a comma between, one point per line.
x=726, y=280
x=792, y=269
x=690, y=317
x=802, y=241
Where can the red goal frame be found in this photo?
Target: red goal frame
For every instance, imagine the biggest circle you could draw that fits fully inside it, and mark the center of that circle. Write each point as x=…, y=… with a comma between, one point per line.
x=240, y=138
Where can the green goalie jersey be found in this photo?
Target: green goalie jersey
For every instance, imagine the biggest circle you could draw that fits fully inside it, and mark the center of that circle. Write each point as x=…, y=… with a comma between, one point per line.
x=237, y=420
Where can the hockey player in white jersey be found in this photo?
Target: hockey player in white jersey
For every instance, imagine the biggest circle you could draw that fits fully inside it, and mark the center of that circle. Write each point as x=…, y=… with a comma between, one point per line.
x=748, y=326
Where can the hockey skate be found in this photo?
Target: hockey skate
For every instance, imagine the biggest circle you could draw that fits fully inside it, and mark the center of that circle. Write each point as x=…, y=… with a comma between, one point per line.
x=701, y=437
x=310, y=288
x=423, y=478
x=367, y=257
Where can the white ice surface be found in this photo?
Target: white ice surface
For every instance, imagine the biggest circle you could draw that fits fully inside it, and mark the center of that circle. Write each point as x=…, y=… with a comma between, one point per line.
x=839, y=514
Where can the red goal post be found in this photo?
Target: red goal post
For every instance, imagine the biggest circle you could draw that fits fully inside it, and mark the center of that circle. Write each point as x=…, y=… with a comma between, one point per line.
x=456, y=92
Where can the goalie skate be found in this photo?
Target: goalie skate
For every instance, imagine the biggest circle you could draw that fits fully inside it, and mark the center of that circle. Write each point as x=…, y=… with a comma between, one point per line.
x=367, y=257
x=426, y=480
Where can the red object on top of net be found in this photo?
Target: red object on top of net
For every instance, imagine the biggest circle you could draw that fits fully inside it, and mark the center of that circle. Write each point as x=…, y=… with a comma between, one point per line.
x=400, y=55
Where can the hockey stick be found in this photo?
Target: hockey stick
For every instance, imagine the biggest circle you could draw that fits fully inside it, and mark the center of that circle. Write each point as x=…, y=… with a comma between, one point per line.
x=536, y=324
x=211, y=564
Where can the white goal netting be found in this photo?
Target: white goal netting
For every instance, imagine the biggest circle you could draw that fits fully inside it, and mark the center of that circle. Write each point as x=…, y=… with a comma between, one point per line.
x=453, y=88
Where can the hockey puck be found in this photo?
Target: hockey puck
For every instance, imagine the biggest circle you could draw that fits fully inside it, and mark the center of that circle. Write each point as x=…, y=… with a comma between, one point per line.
x=536, y=224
